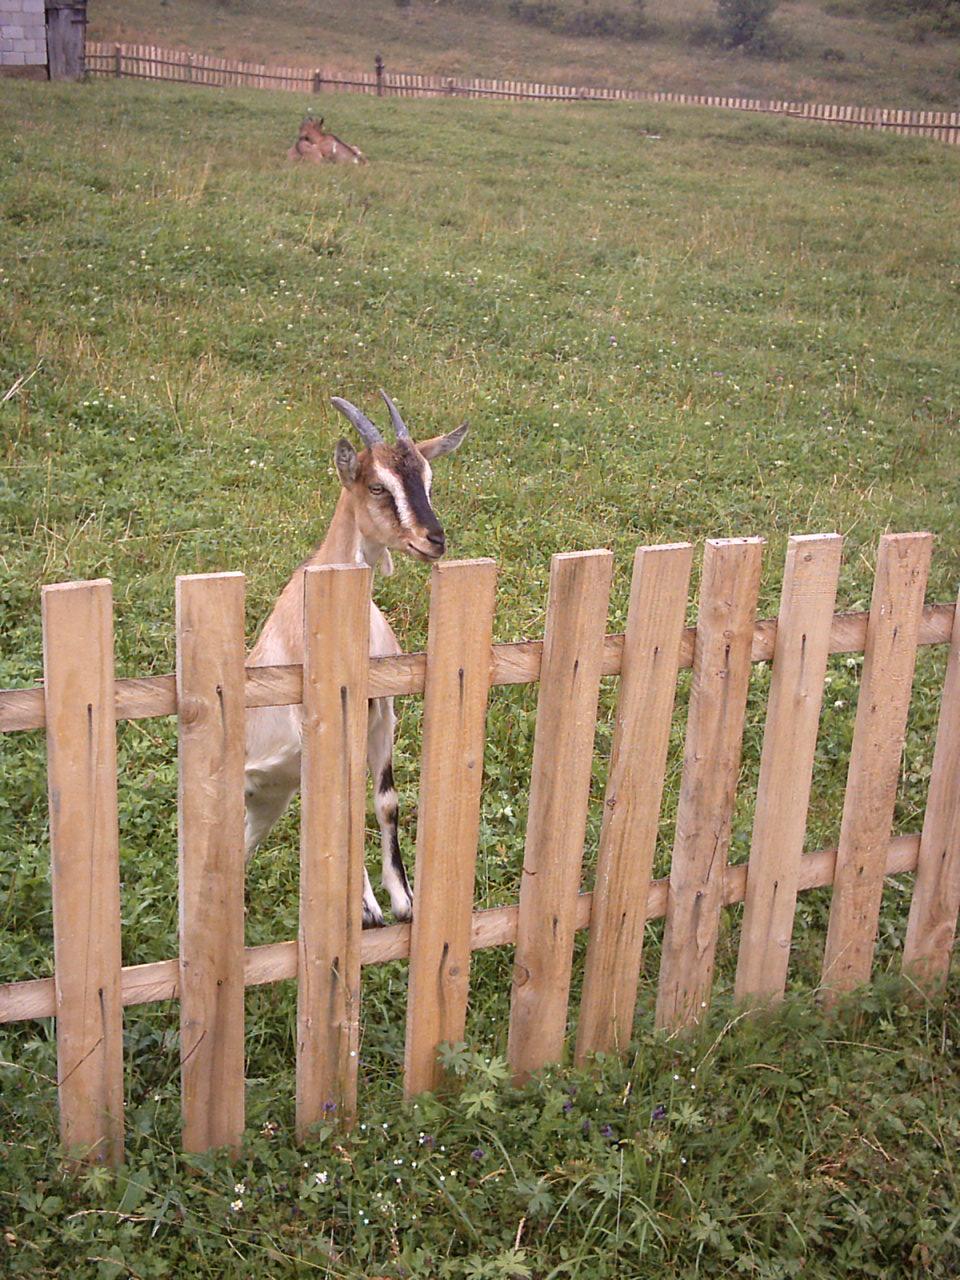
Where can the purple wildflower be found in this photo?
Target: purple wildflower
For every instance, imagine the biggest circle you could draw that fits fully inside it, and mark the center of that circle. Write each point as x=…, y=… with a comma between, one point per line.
x=659, y=1112
x=477, y=1153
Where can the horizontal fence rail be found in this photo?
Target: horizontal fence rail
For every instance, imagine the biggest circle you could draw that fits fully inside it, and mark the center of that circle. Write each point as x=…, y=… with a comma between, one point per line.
x=81, y=702
x=147, y=62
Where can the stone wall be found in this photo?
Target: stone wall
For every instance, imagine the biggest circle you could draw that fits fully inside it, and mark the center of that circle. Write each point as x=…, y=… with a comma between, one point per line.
x=23, y=34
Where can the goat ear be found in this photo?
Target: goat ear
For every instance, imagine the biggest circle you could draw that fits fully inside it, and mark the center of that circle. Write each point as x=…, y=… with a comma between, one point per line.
x=440, y=445
x=346, y=461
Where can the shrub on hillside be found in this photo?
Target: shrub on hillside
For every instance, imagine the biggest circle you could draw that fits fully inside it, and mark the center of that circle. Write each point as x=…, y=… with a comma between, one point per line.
x=745, y=24
x=922, y=17
x=585, y=20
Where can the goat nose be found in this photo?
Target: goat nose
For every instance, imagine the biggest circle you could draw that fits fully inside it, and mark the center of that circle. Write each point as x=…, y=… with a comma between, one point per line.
x=436, y=539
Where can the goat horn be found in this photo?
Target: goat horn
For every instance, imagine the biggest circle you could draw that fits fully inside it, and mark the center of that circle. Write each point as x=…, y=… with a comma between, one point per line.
x=367, y=431
x=399, y=425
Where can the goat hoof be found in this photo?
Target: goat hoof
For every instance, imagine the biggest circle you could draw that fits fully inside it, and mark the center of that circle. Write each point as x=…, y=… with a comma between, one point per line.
x=404, y=915
x=371, y=921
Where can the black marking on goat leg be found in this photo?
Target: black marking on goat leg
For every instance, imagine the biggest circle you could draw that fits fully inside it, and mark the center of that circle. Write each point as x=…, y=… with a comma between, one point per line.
x=371, y=921
x=386, y=780
x=396, y=860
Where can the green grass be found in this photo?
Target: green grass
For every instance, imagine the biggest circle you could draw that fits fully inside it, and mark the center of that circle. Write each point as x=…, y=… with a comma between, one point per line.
x=711, y=326
x=798, y=1145
x=843, y=51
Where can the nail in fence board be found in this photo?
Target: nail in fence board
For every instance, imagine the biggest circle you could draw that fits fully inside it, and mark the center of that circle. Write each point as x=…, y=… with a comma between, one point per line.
x=628, y=837
x=84, y=852
x=786, y=764
x=336, y=629
x=885, y=687
x=454, y=728
x=721, y=674
x=936, y=894
x=559, y=792
x=210, y=723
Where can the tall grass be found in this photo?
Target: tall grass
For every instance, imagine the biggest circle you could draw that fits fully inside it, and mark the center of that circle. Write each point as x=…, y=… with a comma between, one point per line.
x=662, y=325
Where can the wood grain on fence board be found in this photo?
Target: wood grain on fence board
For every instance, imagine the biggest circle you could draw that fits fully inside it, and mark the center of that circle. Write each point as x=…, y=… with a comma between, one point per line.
x=936, y=894
x=494, y=927
x=211, y=715
x=336, y=633
x=903, y=562
x=454, y=731
x=786, y=764
x=516, y=663
x=721, y=673
x=628, y=836
x=84, y=856
x=559, y=792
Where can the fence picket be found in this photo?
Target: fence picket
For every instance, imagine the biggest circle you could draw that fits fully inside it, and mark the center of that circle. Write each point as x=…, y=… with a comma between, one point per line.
x=559, y=791
x=454, y=725
x=901, y=576
x=936, y=895
x=211, y=713
x=84, y=859
x=658, y=599
x=807, y=602
x=721, y=674
x=336, y=626
x=152, y=63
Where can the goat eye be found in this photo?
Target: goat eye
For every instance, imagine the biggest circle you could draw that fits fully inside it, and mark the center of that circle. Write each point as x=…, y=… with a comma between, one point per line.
x=376, y=488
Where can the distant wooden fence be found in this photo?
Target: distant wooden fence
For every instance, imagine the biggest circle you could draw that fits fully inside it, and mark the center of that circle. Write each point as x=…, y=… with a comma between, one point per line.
x=80, y=702
x=146, y=62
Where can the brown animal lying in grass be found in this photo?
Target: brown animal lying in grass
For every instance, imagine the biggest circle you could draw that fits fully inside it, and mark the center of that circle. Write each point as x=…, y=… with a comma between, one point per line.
x=317, y=145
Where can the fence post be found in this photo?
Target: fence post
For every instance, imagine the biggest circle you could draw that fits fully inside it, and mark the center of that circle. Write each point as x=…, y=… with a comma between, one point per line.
x=378, y=66
x=454, y=720
x=711, y=764
x=85, y=874
x=318, y=81
x=896, y=606
x=631, y=811
x=336, y=621
x=210, y=714
x=118, y=60
x=936, y=894
x=802, y=642
x=559, y=793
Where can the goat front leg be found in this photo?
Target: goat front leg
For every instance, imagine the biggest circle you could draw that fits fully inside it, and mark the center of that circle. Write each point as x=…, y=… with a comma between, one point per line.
x=380, y=730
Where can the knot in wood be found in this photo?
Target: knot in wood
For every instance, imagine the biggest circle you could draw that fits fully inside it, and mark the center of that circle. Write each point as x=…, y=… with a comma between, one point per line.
x=190, y=710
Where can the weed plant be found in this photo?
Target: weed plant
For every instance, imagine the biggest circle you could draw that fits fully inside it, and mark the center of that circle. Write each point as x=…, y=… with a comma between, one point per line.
x=794, y=1144
x=705, y=326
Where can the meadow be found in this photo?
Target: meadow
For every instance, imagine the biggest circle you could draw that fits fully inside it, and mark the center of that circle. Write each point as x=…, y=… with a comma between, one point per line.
x=703, y=327
x=899, y=53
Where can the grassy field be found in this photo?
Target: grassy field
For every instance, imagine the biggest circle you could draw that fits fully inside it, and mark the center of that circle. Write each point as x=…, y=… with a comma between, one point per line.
x=709, y=326
x=823, y=50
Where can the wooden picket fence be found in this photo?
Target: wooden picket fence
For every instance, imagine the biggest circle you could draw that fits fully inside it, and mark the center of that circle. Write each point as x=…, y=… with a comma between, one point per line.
x=80, y=702
x=147, y=62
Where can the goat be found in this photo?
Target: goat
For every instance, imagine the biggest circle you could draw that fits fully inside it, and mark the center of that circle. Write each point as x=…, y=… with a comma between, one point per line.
x=316, y=145
x=384, y=506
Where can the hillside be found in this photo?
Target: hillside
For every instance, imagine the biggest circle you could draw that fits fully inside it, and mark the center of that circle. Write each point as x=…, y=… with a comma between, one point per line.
x=821, y=50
